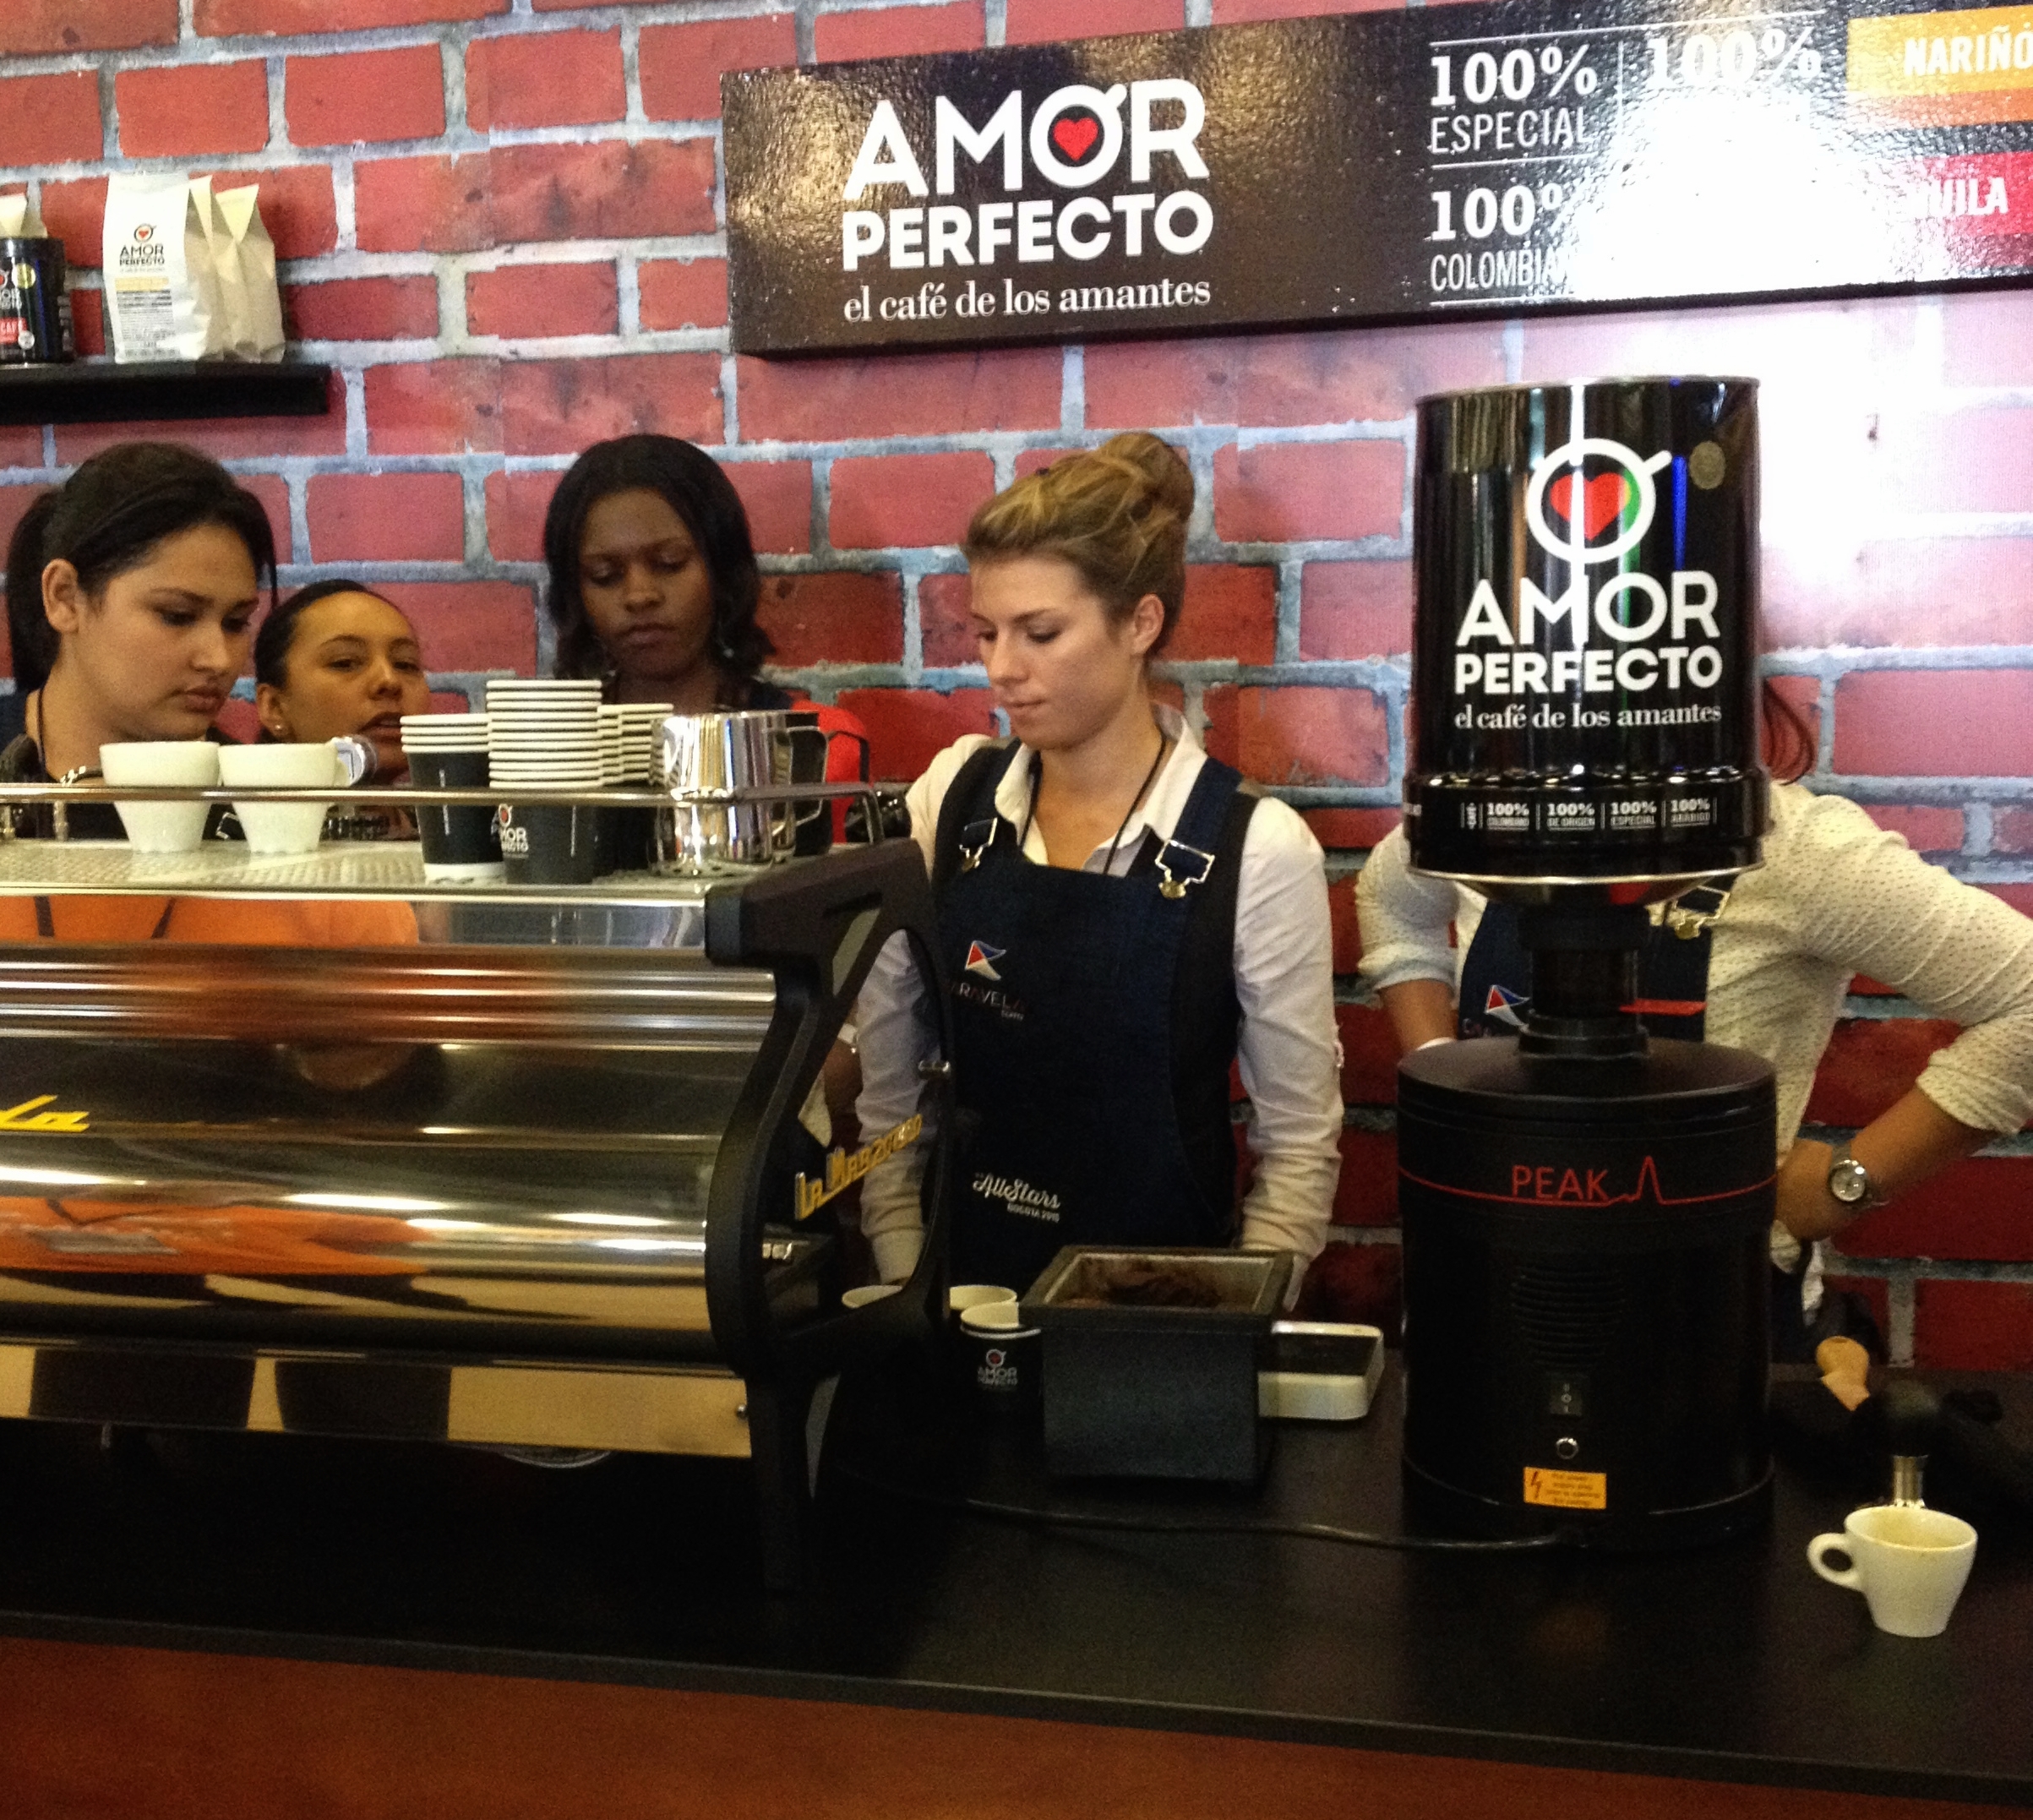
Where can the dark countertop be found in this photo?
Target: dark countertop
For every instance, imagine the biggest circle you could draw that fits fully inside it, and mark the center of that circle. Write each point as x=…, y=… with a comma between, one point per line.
x=1735, y=1664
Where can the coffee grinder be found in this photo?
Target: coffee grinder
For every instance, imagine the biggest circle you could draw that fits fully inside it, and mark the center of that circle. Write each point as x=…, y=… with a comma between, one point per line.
x=1585, y=1206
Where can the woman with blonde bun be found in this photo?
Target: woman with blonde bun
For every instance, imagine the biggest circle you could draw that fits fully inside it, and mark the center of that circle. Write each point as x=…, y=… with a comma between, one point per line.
x=1121, y=919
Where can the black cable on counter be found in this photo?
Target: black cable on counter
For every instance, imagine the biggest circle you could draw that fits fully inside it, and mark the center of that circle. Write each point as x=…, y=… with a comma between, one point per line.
x=1308, y=1531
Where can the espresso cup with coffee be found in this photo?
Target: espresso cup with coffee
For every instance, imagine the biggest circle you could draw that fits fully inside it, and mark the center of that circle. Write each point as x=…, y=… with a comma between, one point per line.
x=1908, y=1562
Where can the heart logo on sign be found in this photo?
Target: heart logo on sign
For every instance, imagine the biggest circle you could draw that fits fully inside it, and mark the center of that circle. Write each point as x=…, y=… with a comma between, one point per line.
x=1075, y=136
x=1602, y=500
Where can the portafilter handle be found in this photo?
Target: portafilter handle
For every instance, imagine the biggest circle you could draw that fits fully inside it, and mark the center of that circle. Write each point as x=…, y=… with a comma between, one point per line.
x=1910, y=1415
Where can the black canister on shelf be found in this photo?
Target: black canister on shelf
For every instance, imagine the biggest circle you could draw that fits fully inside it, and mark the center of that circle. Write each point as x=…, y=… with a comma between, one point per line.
x=1584, y=669
x=34, y=306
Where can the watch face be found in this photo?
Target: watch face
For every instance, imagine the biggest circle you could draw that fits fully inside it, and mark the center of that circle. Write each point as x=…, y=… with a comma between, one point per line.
x=1849, y=1181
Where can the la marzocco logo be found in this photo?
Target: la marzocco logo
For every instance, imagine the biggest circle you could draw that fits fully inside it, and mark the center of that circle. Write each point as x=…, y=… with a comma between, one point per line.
x=1659, y=634
x=1075, y=137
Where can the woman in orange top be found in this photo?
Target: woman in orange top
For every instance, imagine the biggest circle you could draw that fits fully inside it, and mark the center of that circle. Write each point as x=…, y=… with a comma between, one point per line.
x=147, y=565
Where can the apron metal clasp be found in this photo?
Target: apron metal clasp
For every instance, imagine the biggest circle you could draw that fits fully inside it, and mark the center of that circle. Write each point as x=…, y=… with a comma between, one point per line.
x=983, y=833
x=1687, y=920
x=1175, y=885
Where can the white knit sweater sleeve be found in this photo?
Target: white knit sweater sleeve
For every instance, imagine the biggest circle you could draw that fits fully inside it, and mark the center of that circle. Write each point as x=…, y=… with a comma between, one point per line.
x=1404, y=920
x=897, y=1033
x=1863, y=901
x=1287, y=1050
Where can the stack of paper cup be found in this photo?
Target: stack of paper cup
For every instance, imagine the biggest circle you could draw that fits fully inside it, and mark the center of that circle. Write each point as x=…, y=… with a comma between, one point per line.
x=547, y=734
x=641, y=728
x=634, y=830
x=449, y=751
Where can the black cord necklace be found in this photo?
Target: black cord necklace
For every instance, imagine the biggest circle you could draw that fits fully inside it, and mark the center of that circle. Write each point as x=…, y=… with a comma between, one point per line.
x=1030, y=812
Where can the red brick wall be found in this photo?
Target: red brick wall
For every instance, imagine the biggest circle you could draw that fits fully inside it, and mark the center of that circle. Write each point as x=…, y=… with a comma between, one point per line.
x=501, y=224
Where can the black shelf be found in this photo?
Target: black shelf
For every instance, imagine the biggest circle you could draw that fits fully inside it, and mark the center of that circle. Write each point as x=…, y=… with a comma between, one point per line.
x=100, y=391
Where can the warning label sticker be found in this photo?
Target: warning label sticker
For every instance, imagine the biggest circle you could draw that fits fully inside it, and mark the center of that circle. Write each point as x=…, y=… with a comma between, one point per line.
x=1567, y=1491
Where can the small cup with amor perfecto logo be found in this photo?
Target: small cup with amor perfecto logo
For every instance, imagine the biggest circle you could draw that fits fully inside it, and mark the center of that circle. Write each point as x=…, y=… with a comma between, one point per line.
x=1003, y=1357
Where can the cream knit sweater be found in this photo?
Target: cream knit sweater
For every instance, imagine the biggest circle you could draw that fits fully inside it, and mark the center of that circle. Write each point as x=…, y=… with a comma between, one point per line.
x=1836, y=897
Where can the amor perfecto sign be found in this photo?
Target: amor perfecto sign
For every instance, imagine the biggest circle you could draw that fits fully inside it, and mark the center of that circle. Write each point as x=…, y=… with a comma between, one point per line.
x=1378, y=166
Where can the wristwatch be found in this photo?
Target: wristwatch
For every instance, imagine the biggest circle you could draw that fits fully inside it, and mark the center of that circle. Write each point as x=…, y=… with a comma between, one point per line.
x=1849, y=1183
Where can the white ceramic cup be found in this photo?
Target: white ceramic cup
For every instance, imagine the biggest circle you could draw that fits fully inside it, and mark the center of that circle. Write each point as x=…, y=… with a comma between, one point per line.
x=1908, y=1562
x=874, y=1292
x=162, y=827
x=281, y=827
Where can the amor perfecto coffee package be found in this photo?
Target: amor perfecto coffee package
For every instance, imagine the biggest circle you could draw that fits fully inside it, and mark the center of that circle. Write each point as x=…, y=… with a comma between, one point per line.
x=189, y=274
x=253, y=304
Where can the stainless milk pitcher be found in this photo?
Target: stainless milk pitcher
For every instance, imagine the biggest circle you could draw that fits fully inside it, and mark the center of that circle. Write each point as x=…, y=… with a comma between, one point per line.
x=705, y=758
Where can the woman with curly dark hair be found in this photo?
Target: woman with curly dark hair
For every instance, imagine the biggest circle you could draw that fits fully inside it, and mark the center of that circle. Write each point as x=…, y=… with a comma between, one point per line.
x=653, y=582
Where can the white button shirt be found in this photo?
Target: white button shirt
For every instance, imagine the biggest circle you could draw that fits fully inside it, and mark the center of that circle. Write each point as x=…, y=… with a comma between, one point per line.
x=1284, y=982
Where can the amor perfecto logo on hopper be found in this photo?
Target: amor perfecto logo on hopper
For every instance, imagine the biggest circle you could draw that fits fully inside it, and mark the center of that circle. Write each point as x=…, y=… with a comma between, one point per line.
x=1115, y=166
x=1589, y=505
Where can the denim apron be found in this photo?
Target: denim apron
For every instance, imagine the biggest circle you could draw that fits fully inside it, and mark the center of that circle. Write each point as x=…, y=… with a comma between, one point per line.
x=1097, y=1124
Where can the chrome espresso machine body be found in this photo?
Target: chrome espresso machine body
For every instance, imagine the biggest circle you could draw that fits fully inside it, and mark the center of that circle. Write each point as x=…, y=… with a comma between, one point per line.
x=1586, y=1208
x=309, y=1145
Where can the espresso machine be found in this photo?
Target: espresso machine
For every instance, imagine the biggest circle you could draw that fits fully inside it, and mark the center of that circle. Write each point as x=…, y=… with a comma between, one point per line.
x=1586, y=1205
x=318, y=1145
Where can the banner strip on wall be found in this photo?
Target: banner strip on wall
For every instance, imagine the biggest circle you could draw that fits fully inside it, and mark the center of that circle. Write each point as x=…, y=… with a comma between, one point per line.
x=1378, y=166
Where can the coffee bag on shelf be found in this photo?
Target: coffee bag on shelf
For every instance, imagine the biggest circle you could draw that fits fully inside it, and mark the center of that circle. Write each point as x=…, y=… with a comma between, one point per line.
x=257, y=326
x=162, y=299
x=231, y=313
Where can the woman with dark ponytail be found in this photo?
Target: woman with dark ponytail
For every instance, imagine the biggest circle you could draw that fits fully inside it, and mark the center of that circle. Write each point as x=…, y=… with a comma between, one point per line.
x=131, y=589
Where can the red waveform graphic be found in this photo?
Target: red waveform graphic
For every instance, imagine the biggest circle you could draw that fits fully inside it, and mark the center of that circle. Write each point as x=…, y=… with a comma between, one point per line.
x=1551, y=1184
